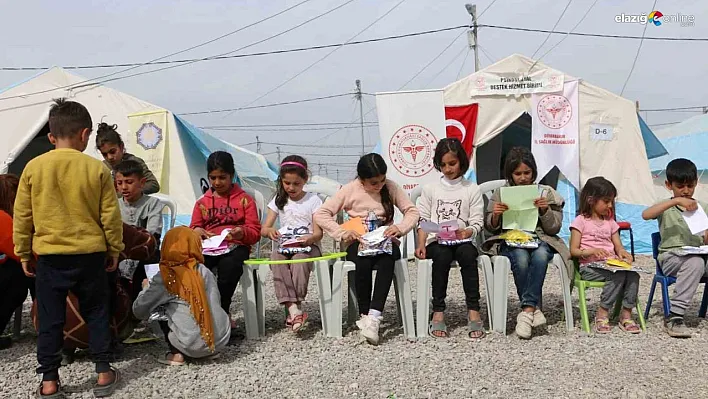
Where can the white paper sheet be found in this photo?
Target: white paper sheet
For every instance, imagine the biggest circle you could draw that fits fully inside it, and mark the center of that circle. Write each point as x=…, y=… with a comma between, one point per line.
x=152, y=270
x=215, y=242
x=445, y=230
x=697, y=220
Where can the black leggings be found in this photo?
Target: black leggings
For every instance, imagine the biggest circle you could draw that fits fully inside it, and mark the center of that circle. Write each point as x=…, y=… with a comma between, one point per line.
x=228, y=269
x=365, y=265
x=13, y=290
x=466, y=257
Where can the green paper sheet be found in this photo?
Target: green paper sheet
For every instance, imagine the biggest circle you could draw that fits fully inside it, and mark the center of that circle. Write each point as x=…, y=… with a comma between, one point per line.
x=522, y=214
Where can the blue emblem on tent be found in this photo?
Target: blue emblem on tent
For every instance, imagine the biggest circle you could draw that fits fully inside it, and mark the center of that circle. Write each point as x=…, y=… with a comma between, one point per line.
x=149, y=136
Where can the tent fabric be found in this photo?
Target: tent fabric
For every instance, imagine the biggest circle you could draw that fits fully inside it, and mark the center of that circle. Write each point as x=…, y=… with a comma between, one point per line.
x=687, y=139
x=23, y=116
x=628, y=170
x=652, y=144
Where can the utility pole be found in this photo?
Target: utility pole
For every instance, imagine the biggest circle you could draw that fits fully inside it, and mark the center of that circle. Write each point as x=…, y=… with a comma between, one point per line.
x=277, y=149
x=361, y=113
x=337, y=175
x=472, y=34
x=319, y=168
x=258, y=145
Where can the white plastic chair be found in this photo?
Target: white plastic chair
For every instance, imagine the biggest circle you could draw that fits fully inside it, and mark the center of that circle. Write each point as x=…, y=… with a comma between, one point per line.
x=253, y=281
x=502, y=275
x=402, y=290
x=423, y=293
x=170, y=205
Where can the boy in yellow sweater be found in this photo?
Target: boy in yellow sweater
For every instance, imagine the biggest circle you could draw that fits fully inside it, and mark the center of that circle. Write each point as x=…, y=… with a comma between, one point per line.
x=67, y=213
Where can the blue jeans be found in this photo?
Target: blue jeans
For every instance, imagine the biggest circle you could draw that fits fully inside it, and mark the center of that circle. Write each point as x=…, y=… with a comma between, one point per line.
x=529, y=268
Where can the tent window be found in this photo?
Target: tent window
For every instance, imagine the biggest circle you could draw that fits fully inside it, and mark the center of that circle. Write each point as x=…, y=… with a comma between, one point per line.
x=38, y=146
x=492, y=154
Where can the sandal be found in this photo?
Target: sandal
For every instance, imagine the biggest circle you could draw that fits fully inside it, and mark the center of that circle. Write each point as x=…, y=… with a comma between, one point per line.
x=299, y=322
x=165, y=360
x=101, y=391
x=629, y=326
x=439, y=327
x=602, y=325
x=59, y=394
x=474, y=328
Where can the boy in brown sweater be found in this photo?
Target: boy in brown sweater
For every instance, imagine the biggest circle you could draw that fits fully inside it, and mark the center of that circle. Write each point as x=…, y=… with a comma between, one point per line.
x=67, y=213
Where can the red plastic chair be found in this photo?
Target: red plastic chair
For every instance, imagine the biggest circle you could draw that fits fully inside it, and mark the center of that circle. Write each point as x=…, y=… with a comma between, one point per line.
x=626, y=226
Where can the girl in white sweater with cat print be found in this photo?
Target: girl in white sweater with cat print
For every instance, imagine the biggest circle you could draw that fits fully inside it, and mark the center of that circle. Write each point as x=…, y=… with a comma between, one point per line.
x=452, y=198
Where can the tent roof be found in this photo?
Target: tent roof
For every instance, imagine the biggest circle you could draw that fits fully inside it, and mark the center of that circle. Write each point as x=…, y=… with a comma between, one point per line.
x=687, y=139
x=628, y=170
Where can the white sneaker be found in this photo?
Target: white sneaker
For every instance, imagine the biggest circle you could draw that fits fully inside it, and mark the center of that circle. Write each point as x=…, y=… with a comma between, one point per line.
x=369, y=326
x=524, y=323
x=538, y=318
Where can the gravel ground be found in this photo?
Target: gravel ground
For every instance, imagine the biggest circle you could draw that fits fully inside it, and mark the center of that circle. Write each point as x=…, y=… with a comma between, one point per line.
x=553, y=364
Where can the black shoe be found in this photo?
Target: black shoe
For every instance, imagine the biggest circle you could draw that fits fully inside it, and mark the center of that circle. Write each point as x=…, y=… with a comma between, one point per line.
x=5, y=342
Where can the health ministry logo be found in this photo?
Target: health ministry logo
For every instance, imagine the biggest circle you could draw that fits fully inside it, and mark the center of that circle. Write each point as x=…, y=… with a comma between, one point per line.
x=657, y=18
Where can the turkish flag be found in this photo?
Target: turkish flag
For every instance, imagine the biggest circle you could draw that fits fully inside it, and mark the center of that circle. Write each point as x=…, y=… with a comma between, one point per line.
x=461, y=123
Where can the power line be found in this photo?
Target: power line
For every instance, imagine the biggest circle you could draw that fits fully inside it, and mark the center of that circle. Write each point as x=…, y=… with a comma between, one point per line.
x=432, y=61
x=84, y=83
x=308, y=145
x=553, y=29
x=636, y=56
x=464, y=60
x=568, y=34
x=290, y=79
x=448, y=65
x=660, y=38
x=216, y=111
x=224, y=57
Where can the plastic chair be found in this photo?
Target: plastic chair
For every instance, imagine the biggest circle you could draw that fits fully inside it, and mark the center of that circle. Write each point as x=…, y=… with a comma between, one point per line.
x=582, y=286
x=665, y=281
x=502, y=274
x=402, y=290
x=425, y=269
x=626, y=226
x=170, y=205
x=251, y=288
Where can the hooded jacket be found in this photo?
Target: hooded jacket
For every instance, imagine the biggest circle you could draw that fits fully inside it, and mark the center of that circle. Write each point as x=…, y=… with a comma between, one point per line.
x=238, y=209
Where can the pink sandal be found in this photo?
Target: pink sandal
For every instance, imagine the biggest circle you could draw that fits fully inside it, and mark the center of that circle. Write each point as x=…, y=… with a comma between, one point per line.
x=602, y=325
x=629, y=326
x=299, y=321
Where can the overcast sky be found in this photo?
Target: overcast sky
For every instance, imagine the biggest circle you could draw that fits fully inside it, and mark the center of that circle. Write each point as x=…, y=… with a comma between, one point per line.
x=46, y=33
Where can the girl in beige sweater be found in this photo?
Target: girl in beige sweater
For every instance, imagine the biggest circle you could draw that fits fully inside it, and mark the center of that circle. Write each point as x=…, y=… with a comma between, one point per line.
x=370, y=191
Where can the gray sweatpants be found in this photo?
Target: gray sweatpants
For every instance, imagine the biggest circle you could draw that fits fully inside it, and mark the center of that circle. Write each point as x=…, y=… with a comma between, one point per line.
x=688, y=271
x=623, y=283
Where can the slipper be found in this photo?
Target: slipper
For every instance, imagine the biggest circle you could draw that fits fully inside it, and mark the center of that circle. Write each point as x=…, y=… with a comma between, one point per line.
x=438, y=326
x=629, y=326
x=164, y=360
x=474, y=326
x=101, y=391
x=59, y=394
x=299, y=322
x=602, y=325
x=130, y=340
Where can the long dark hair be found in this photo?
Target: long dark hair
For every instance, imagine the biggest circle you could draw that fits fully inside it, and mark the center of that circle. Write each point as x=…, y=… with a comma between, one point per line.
x=291, y=164
x=108, y=134
x=594, y=189
x=221, y=160
x=515, y=157
x=8, y=192
x=373, y=165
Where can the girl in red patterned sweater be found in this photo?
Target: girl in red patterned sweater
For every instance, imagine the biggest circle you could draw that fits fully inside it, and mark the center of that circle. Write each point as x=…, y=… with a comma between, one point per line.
x=226, y=206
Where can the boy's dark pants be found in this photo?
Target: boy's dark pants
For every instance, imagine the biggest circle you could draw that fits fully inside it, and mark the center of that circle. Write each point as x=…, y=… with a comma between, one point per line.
x=85, y=276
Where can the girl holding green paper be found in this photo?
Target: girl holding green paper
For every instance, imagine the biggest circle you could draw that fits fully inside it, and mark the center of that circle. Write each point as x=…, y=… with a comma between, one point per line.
x=529, y=260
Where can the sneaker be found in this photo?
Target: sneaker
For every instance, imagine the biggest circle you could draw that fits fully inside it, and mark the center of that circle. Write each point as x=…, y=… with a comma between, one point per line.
x=524, y=325
x=369, y=326
x=538, y=318
x=676, y=328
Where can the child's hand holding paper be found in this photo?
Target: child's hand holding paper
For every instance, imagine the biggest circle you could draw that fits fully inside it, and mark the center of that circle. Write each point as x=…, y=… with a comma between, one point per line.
x=445, y=230
x=522, y=213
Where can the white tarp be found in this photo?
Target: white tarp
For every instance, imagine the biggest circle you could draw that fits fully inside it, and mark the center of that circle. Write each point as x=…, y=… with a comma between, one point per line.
x=622, y=160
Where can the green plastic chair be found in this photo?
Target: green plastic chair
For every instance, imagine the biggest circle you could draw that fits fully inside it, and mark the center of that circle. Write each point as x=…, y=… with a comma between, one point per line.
x=582, y=286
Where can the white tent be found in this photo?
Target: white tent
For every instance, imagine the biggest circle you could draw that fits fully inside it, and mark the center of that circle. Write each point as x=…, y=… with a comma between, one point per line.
x=622, y=160
x=24, y=110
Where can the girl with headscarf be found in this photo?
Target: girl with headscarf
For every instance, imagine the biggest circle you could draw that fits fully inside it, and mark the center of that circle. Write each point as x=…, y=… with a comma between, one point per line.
x=197, y=326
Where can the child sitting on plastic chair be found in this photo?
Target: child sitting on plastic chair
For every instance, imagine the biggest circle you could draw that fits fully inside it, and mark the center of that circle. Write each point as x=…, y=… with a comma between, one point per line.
x=594, y=238
x=453, y=198
x=294, y=208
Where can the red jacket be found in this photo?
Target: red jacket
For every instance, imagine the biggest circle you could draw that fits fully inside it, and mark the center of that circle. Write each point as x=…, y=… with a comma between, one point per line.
x=7, y=247
x=214, y=214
